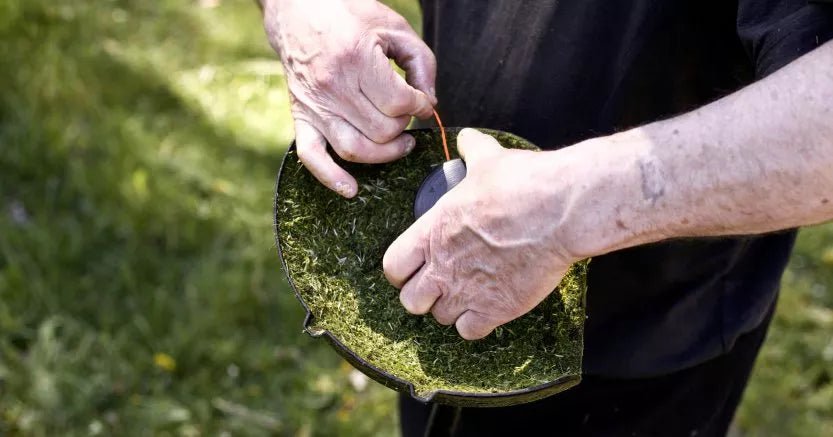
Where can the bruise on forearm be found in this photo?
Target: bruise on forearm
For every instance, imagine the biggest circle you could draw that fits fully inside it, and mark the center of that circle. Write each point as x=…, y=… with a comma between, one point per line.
x=653, y=179
x=759, y=160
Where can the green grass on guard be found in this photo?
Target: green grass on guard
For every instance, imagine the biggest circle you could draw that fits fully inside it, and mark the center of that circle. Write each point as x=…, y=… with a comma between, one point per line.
x=331, y=250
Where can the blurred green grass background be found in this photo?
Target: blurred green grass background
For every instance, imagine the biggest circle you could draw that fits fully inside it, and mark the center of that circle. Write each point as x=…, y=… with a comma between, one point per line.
x=140, y=292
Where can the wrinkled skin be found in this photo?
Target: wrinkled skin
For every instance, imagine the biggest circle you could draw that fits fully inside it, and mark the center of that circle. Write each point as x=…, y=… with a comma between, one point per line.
x=342, y=86
x=487, y=252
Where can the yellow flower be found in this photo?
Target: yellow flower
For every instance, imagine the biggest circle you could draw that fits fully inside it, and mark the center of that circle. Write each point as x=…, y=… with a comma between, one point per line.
x=164, y=361
x=827, y=256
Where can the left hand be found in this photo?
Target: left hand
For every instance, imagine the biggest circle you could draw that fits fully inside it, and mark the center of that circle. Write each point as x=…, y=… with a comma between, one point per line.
x=487, y=252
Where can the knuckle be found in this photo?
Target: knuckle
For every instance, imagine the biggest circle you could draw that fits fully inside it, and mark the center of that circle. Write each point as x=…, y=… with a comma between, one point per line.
x=474, y=327
x=442, y=316
x=400, y=103
x=464, y=331
x=306, y=153
x=396, y=126
x=348, y=150
x=389, y=266
x=429, y=59
x=379, y=137
x=385, y=131
x=348, y=155
x=303, y=154
x=408, y=300
x=348, y=54
x=324, y=79
x=396, y=21
x=442, y=287
x=446, y=309
x=469, y=332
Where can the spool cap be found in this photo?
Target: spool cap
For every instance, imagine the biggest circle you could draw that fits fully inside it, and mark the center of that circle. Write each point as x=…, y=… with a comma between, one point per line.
x=437, y=183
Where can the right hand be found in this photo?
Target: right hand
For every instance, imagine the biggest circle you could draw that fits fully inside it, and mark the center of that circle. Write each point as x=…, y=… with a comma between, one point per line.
x=342, y=87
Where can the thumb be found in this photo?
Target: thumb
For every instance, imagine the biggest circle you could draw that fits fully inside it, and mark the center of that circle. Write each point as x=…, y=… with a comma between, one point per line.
x=406, y=255
x=413, y=55
x=474, y=145
x=473, y=325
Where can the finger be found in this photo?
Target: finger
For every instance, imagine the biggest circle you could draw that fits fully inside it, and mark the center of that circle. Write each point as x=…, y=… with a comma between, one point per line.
x=472, y=325
x=389, y=92
x=448, y=308
x=312, y=152
x=372, y=123
x=416, y=58
x=406, y=254
x=418, y=295
x=474, y=145
x=352, y=146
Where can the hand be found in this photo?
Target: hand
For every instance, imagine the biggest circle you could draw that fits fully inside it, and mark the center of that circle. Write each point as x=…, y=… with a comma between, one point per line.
x=341, y=84
x=487, y=252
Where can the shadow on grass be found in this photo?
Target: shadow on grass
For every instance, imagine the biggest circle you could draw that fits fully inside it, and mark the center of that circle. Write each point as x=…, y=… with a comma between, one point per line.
x=140, y=226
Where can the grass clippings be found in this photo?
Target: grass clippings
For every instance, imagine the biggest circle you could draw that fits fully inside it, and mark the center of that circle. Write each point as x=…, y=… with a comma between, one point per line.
x=333, y=251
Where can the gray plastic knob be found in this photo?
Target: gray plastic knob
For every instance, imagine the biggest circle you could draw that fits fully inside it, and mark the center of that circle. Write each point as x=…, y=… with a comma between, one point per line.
x=437, y=183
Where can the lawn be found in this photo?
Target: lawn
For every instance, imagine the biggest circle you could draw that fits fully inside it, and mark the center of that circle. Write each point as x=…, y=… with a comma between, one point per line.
x=140, y=291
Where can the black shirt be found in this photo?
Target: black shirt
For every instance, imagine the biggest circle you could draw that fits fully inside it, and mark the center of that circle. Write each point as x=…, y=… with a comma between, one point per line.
x=557, y=72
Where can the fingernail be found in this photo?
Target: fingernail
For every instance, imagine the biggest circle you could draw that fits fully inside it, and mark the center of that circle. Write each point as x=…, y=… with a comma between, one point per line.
x=410, y=142
x=432, y=92
x=344, y=189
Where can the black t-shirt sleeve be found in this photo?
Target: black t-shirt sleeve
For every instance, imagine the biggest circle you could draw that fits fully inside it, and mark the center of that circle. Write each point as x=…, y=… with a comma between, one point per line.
x=776, y=32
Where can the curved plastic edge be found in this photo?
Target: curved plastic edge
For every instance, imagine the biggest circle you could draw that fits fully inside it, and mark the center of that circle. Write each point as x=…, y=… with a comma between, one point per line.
x=446, y=397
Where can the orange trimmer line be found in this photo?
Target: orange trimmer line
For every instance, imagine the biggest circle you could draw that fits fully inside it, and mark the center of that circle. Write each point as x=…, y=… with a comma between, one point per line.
x=442, y=132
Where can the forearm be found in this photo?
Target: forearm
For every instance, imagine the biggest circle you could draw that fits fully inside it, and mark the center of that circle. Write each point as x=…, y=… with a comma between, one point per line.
x=759, y=160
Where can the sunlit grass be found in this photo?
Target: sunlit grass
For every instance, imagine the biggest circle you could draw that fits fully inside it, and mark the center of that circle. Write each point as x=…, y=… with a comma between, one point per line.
x=791, y=392
x=139, y=286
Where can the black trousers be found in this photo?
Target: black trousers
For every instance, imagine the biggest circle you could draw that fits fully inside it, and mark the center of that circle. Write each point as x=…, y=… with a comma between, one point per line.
x=699, y=401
